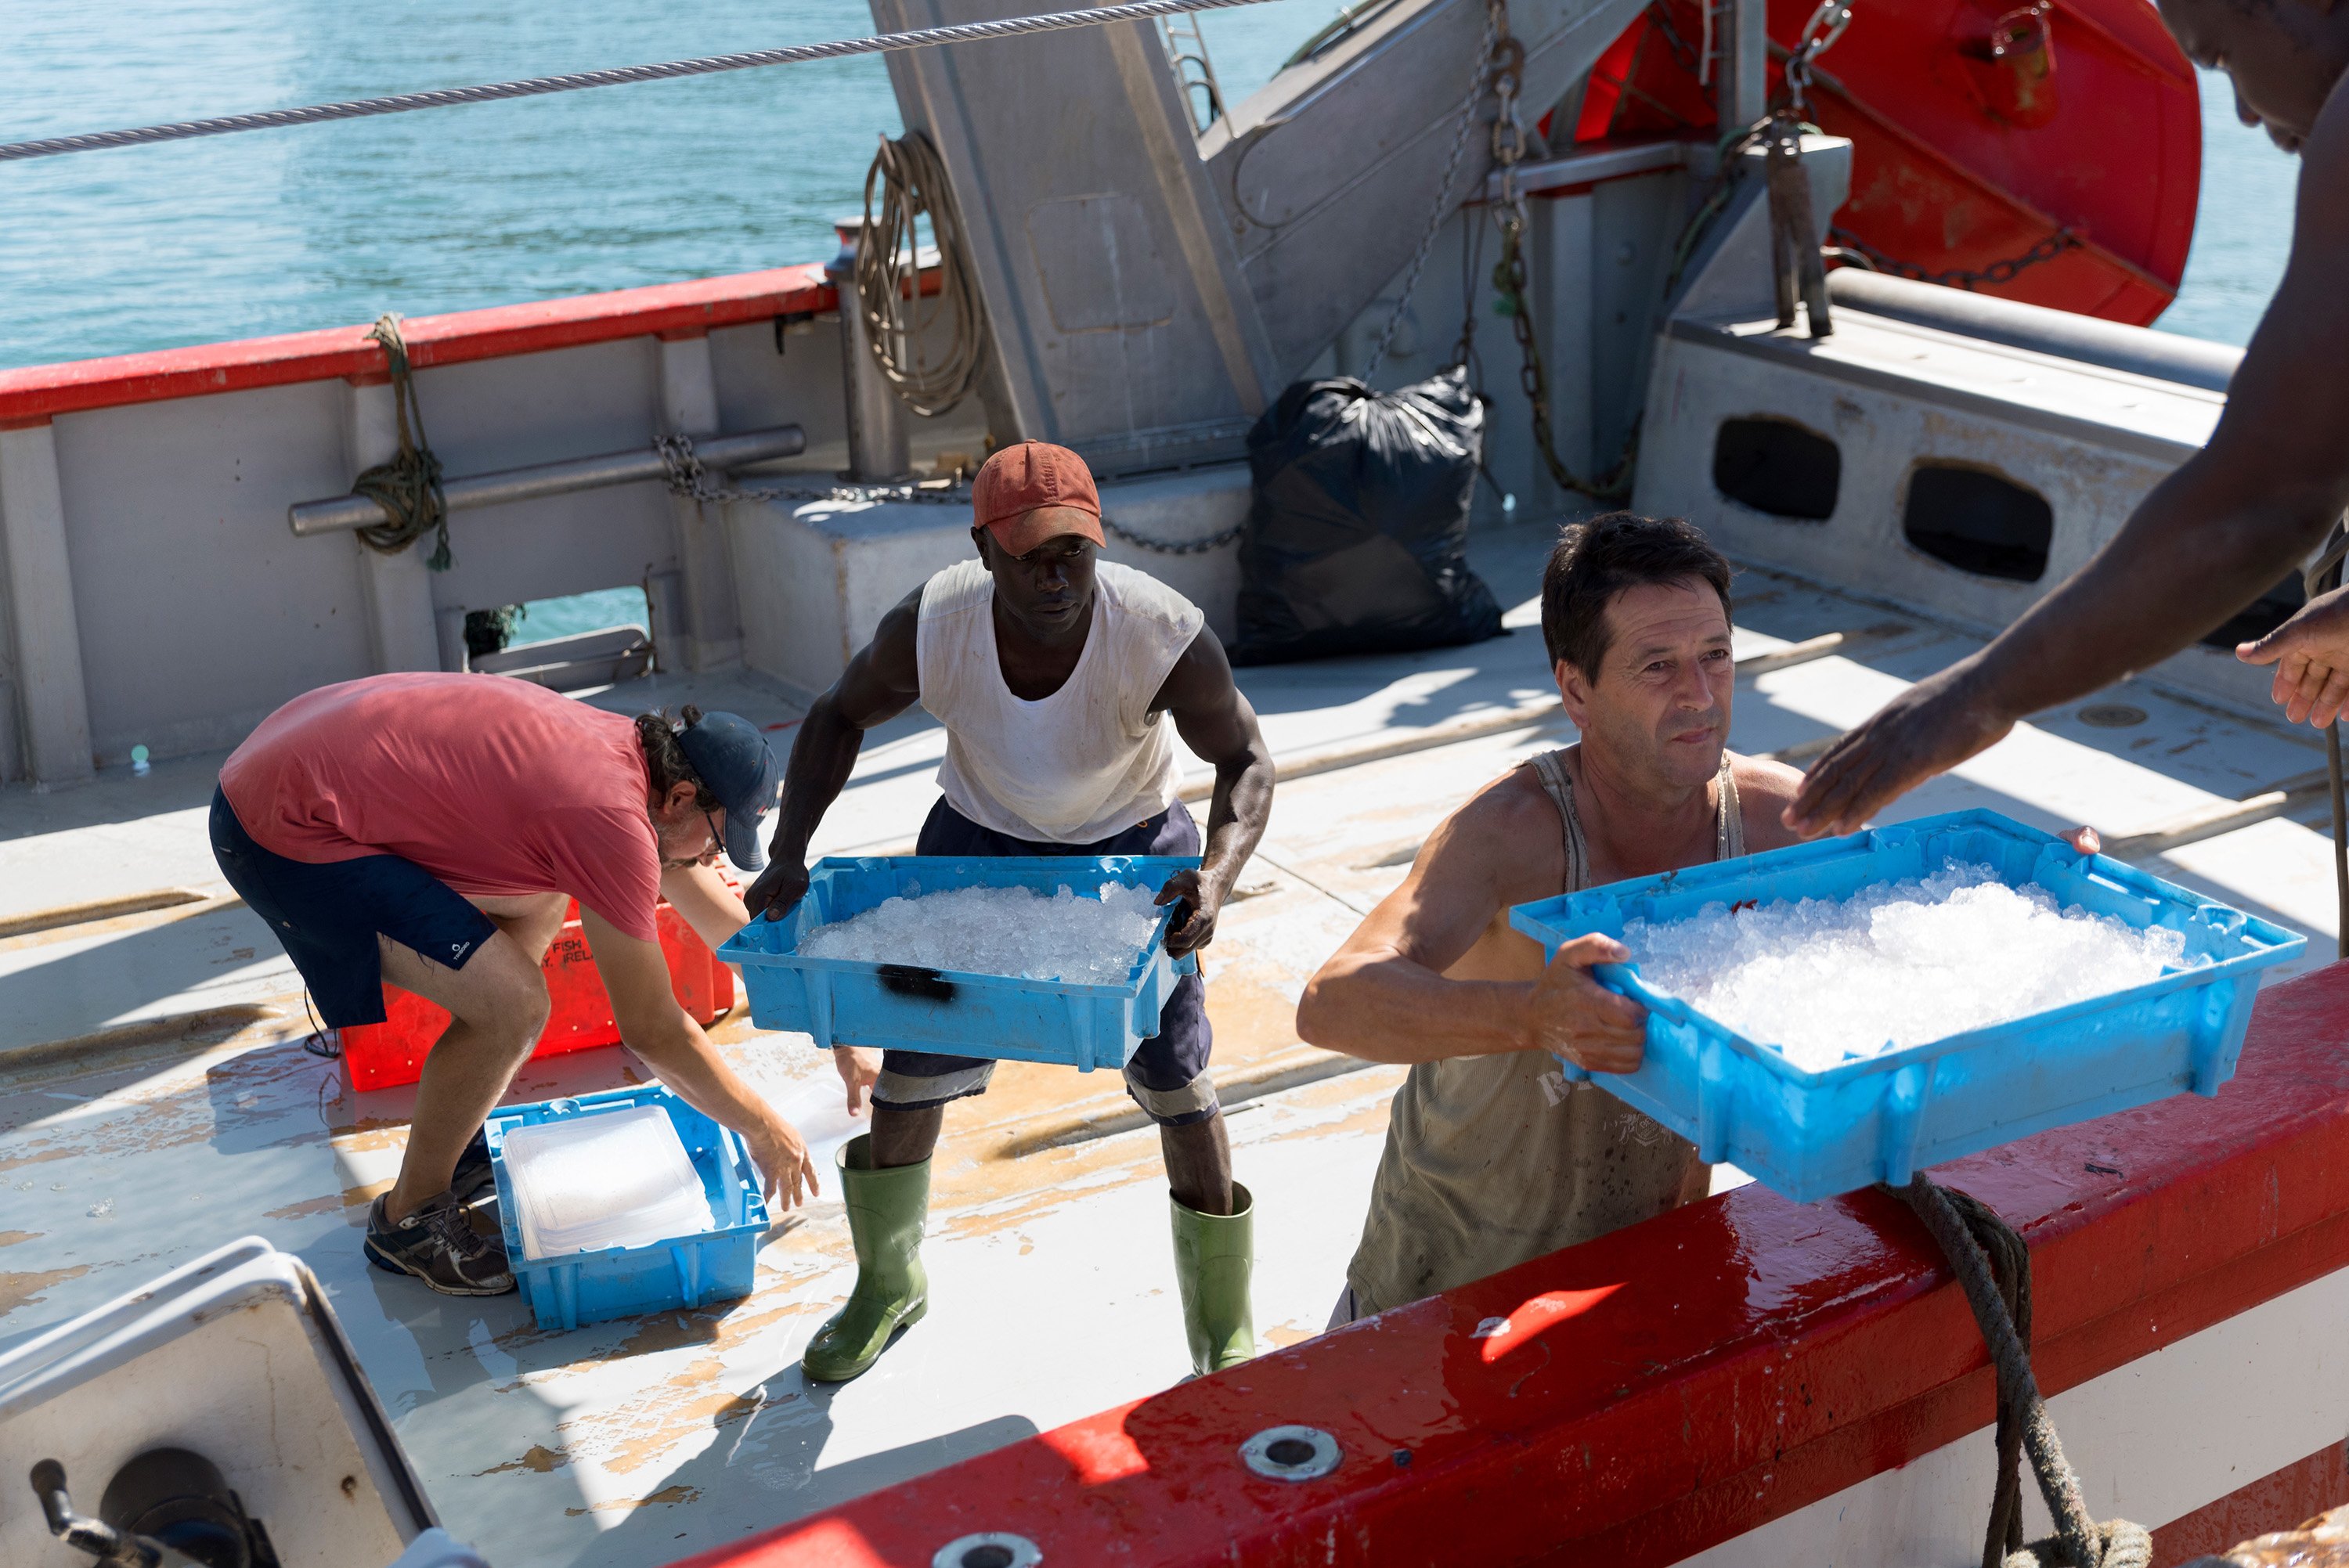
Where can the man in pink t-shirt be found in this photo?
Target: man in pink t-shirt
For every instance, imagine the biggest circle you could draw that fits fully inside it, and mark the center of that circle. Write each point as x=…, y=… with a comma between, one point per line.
x=431, y=831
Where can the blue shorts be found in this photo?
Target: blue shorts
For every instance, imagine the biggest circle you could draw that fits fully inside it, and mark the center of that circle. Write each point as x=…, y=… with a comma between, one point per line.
x=327, y=915
x=1167, y=1074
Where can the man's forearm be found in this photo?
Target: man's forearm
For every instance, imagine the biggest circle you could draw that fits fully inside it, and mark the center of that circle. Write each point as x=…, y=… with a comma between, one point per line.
x=1236, y=818
x=2196, y=551
x=822, y=757
x=680, y=1054
x=1389, y=1009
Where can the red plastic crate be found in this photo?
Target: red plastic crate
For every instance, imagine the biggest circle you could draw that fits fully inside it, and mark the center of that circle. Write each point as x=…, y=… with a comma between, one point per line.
x=381, y=1056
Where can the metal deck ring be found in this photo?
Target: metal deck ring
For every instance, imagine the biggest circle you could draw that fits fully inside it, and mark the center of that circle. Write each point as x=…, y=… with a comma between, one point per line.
x=988, y=1549
x=1292, y=1453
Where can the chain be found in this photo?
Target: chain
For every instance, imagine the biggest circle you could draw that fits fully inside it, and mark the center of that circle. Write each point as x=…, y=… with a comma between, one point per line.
x=1495, y=20
x=687, y=478
x=2004, y=271
x=1172, y=547
x=1820, y=36
x=1509, y=272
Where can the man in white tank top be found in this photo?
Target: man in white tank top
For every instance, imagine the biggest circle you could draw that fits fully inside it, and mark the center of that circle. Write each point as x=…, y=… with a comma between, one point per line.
x=1491, y=1158
x=1056, y=677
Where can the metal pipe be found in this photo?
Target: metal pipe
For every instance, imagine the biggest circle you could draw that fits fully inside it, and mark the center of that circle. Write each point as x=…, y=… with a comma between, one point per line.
x=2165, y=356
x=1590, y=167
x=311, y=518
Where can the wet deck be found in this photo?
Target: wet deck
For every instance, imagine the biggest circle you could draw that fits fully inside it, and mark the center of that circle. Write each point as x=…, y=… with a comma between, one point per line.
x=153, y=1062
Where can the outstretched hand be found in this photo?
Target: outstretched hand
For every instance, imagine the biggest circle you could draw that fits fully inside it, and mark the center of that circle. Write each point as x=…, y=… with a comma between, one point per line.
x=778, y=891
x=1926, y=730
x=786, y=1170
x=2311, y=654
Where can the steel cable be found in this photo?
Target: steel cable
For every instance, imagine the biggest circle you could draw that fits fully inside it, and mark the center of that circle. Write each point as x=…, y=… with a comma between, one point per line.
x=912, y=182
x=535, y=87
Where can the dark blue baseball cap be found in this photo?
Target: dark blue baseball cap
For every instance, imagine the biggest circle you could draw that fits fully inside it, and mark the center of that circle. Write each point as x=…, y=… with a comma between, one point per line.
x=734, y=760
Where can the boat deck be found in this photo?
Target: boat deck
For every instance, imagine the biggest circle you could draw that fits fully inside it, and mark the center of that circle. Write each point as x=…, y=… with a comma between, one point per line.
x=155, y=1099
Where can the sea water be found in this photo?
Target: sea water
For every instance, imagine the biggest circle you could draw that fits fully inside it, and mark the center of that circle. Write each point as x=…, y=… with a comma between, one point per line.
x=1898, y=964
x=322, y=226
x=1064, y=935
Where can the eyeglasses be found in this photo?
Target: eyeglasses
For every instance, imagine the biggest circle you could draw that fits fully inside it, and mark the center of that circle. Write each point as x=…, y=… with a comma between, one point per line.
x=717, y=838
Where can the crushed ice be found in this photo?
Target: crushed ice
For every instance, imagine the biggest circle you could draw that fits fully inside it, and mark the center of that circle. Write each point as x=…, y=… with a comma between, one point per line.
x=1898, y=964
x=1065, y=936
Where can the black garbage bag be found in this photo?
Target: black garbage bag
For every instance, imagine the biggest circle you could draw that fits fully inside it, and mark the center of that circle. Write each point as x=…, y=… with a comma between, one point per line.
x=1355, y=538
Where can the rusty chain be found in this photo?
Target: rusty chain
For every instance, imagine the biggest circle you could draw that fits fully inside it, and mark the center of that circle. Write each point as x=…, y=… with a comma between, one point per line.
x=1172, y=547
x=2000, y=273
x=1509, y=278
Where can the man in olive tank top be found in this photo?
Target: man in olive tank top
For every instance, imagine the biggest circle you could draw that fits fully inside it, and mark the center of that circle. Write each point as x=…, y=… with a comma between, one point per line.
x=1057, y=678
x=1491, y=1157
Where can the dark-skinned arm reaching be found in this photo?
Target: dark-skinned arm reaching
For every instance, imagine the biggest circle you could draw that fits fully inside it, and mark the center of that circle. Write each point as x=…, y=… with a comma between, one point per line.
x=2206, y=541
x=1218, y=724
x=879, y=684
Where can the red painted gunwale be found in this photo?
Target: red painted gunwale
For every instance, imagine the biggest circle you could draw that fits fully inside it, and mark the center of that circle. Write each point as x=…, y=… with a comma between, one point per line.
x=38, y=393
x=1676, y=1385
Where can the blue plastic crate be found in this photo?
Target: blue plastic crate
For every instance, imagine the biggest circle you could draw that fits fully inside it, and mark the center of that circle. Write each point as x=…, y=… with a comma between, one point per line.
x=844, y=1003
x=689, y=1271
x=1811, y=1135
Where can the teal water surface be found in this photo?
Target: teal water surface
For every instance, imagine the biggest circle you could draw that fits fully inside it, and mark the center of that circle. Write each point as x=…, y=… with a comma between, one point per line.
x=155, y=247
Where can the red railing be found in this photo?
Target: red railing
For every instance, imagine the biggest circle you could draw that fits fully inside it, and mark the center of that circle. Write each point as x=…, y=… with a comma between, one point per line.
x=1674, y=1385
x=34, y=394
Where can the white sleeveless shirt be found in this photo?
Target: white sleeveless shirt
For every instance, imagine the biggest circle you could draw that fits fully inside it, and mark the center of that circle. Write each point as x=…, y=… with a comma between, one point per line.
x=1089, y=761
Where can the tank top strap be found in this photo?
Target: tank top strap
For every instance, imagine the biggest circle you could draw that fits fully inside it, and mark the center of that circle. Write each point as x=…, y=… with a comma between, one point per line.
x=1729, y=822
x=1550, y=768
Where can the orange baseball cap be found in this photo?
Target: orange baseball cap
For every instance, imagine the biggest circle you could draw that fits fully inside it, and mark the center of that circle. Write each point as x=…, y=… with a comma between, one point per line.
x=1015, y=490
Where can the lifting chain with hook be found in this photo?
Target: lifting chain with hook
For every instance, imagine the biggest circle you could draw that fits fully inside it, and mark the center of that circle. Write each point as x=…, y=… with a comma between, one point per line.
x=1819, y=34
x=1509, y=278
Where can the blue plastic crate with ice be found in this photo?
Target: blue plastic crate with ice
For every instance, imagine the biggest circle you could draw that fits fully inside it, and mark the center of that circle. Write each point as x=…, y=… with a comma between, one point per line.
x=706, y=1253
x=1813, y=1134
x=843, y=1002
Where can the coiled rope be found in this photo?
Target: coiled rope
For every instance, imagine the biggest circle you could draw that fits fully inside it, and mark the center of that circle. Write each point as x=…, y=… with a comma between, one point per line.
x=912, y=182
x=408, y=487
x=1994, y=1266
x=534, y=86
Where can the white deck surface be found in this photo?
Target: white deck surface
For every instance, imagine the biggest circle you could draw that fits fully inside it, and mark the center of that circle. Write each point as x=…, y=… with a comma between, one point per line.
x=638, y=1441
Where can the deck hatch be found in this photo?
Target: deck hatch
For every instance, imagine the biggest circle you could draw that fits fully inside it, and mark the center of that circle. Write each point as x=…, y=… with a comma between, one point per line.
x=1778, y=466
x=1978, y=521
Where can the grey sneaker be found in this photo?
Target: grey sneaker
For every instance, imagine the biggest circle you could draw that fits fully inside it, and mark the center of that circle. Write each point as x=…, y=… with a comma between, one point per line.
x=439, y=1245
x=473, y=1172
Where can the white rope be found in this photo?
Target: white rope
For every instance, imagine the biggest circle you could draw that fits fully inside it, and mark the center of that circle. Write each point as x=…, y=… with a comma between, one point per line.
x=533, y=87
x=911, y=181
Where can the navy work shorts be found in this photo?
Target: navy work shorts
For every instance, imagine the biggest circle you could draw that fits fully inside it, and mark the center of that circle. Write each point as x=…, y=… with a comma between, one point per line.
x=327, y=916
x=1167, y=1074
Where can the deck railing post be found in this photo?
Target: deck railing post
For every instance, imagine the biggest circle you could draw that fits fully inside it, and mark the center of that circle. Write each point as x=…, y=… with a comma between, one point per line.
x=55, y=701
x=711, y=633
x=878, y=448
x=402, y=634
x=1742, y=87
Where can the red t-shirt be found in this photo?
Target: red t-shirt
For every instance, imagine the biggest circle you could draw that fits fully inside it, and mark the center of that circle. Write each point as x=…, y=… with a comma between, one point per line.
x=497, y=787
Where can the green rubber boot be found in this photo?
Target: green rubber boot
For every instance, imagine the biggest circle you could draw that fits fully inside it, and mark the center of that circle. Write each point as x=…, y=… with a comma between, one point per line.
x=886, y=1210
x=1214, y=1254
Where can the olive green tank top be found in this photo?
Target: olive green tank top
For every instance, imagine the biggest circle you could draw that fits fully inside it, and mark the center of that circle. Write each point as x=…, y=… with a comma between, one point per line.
x=1492, y=1160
